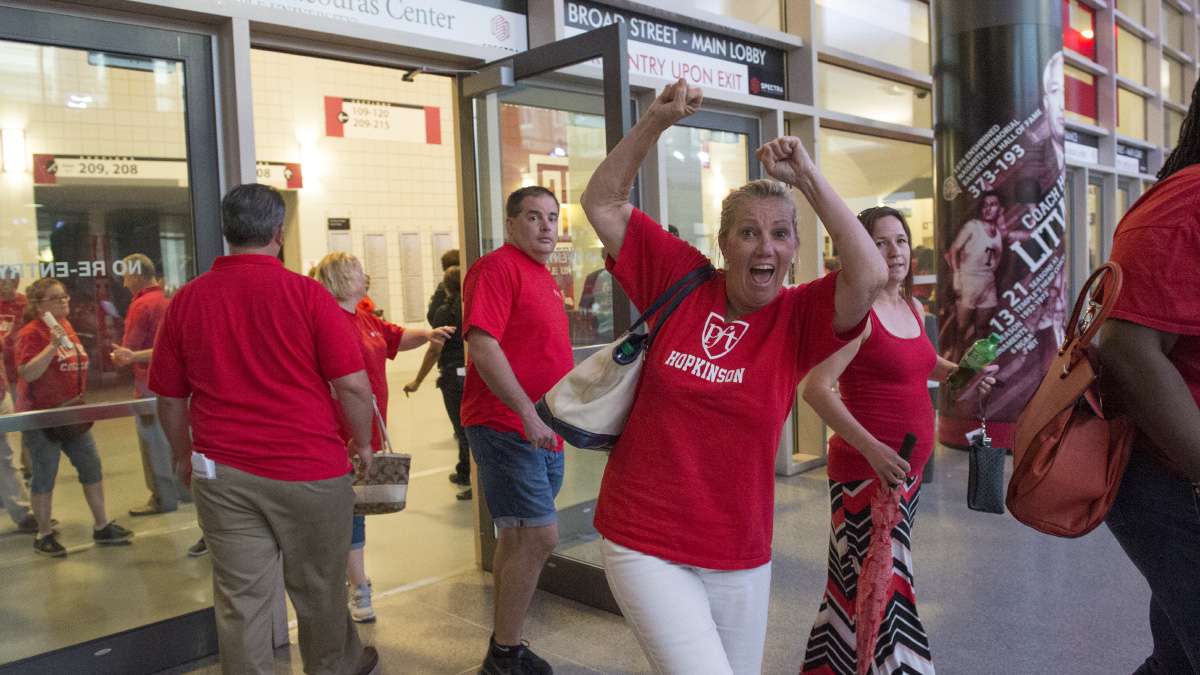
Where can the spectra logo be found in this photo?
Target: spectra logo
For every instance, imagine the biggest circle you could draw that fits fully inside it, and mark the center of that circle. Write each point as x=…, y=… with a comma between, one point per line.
x=719, y=338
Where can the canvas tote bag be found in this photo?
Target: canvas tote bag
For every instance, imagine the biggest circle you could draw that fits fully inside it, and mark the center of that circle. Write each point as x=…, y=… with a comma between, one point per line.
x=384, y=488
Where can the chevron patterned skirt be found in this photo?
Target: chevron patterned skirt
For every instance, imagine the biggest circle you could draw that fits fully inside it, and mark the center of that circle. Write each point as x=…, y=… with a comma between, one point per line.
x=902, y=645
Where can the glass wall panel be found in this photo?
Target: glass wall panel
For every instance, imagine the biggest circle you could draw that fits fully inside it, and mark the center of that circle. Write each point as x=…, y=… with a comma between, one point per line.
x=855, y=93
x=366, y=163
x=559, y=149
x=1131, y=114
x=1080, y=95
x=1131, y=56
x=702, y=167
x=1079, y=28
x=94, y=170
x=1172, y=28
x=1134, y=9
x=1172, y=80
x=892, y=31
x=766, y=13
x=1095, y=240
x=870, y=171
x=1172, y=122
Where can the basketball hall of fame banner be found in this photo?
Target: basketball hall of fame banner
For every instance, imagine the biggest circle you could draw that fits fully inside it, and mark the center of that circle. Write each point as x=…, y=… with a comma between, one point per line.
x=1001, y=200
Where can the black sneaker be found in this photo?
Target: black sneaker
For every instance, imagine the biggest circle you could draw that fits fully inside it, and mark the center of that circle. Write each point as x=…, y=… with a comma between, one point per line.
x=198, y=549
x=111, y=534
x=48, y=546
x=459, y=479
x=520, y=660
x=464, y=495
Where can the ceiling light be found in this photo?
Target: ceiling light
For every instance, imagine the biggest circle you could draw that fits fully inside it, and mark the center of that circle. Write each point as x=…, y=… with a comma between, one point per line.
x=12, y=151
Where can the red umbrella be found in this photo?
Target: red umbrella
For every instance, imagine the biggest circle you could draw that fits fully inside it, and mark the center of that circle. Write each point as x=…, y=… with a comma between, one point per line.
x=875, y=577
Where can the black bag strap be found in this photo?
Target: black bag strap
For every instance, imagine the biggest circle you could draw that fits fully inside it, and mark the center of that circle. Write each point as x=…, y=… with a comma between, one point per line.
x=666, y=303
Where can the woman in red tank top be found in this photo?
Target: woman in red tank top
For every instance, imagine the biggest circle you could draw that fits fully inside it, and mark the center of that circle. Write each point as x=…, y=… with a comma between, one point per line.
x=882, y=395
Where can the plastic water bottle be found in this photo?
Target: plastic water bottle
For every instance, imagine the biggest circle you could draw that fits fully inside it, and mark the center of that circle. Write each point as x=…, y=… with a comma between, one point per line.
x=981, y=353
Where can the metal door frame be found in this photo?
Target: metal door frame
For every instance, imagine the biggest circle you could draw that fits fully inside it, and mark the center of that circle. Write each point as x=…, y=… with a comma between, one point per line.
x=155, y=646
x=567, y=577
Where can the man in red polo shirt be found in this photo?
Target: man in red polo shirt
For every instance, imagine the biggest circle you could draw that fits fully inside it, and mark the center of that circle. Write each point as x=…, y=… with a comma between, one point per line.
x=136, y=348
x=242, y=366
x=519, y=346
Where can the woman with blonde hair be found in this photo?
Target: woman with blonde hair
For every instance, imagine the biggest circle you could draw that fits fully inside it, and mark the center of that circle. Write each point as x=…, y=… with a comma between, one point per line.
x=343, y=275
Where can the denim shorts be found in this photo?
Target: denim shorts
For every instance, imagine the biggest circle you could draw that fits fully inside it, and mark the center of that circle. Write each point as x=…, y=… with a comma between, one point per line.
x=358, y=532
x=519, y=481
x=45, y=453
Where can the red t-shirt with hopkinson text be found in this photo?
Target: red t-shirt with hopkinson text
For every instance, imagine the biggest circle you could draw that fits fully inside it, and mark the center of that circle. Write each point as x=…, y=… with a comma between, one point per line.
x=141, y=324
x=1157, y=245
x=12, y=317
x=65, y=378
x=513, y=298
x=380, y=341
x=254, y=346
x=692, y=478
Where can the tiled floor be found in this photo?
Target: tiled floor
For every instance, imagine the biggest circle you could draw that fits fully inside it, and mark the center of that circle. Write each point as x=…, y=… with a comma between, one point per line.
x=996, y=598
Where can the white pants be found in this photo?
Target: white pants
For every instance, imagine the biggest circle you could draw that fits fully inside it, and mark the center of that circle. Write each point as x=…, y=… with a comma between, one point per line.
x=691, y=620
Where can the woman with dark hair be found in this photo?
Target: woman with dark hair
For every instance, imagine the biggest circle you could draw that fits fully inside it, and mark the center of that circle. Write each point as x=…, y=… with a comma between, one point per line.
x=1150, y=353
x=881, y=396
x=52, y=367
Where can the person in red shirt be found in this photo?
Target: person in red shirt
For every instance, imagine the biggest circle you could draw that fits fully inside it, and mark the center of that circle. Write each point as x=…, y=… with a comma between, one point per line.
x=12, y=317
x=243, y=363
x=518, y=346
x=687, y=500
x=52, y=367
x=873, y=392
x=13, y=496
x=136, y=349
x=1150, y=355
x=381, y=340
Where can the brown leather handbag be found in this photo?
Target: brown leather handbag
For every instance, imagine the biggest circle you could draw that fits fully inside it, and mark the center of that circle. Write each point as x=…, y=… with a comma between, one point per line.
x=1070, y=453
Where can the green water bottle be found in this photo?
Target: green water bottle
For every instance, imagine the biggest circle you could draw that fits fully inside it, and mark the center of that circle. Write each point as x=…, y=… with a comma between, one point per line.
x=981, y=353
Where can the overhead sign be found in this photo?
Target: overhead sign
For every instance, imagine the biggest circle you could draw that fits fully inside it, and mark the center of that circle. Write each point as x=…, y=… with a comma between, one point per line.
x=491, y=23
x=382, y=120
x=1082, y=148
x=670, y=51
x=279, y=175
x=49, y=169
x=1131, y=159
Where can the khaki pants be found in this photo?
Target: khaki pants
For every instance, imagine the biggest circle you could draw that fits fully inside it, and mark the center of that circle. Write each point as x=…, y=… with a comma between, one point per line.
x=248, y=522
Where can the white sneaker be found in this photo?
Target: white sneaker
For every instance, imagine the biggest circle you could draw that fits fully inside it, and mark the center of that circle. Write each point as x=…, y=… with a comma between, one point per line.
x=361, y=610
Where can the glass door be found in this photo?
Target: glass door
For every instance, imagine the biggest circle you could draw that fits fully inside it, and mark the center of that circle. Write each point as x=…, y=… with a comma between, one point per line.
x=108, y=186
x=531, y=120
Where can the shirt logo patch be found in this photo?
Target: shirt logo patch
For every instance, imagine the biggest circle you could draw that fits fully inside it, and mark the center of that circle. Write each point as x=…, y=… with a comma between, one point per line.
x=719, y=338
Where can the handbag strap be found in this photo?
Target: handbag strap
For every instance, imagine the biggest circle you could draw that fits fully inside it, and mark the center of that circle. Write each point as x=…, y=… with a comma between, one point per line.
x=1099, y=294
x=383, y=432
x=670, y=299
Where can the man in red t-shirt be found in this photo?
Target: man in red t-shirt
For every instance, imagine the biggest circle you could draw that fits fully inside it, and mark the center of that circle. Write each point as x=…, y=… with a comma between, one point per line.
x=242, y=365
x=1150, y=351
x=518, y=348
x=136, y=348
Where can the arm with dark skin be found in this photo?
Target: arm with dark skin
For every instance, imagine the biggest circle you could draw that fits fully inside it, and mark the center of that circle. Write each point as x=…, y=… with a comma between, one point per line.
x=1153, y=392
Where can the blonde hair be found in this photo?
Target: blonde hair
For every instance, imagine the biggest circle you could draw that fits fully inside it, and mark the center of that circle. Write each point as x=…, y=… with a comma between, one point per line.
x=763, y=188
x=335, y=273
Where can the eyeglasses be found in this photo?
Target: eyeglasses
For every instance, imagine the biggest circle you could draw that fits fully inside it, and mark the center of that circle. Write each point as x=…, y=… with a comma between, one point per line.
x=56, y=298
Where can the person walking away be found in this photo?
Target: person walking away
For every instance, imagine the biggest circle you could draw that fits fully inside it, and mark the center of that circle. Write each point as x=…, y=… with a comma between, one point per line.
x=342, y=274
x=243, y=365
x=1150, y=362
x=517, y=337
x=449, y=358
x=136, y=350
